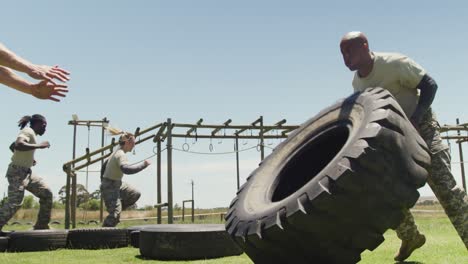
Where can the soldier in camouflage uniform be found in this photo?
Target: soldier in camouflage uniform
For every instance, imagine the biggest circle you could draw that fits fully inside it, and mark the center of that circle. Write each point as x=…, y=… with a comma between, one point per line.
x=20, y=176
x=118, y=195
x=414, y=90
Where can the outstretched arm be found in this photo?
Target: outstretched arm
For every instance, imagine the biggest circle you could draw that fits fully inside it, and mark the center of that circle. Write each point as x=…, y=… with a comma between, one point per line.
x=40, y=72
x=132, y=169
x=428, y=89
x=9, y=78
x=41, y=90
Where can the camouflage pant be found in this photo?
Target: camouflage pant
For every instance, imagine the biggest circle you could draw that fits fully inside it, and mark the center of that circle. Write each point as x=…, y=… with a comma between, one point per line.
x=452, y=197
x=117, y=196
x=20, y=179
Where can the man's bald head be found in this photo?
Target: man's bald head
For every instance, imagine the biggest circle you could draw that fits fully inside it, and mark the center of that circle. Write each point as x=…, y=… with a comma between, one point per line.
x=355, y=50
x=354, y=37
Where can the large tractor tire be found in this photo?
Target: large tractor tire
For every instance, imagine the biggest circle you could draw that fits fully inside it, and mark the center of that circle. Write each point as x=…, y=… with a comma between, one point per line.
x=332, y=189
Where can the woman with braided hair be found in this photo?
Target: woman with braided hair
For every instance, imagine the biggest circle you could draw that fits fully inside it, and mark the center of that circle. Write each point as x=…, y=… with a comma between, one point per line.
x=118, y=195
x=20, y=176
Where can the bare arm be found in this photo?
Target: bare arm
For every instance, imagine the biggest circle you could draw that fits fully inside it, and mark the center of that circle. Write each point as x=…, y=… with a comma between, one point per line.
x=9, y=78
x=12, y=61
x=40, y=72
x=41, y=90
x=22, y=145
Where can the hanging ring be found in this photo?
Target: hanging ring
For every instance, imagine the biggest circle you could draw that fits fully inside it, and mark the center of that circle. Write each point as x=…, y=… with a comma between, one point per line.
x=185, y=147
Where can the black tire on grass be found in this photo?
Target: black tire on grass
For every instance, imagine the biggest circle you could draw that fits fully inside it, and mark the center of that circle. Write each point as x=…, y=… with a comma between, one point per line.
x=133, y=234
x=4, y=244
x=5, y=233
x=134, y=239
x=97, y=238
x=37, y=240
x=332, y=189
x=187, y=242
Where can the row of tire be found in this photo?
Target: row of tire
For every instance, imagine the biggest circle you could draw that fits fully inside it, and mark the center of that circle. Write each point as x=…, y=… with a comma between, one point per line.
x=43, y=240
x=55, y=222
x=164, y=242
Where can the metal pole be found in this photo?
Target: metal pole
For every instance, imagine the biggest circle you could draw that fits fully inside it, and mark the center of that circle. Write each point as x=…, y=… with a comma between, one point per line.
x=67, y=202
x=74, y=140
x=237, y=161
x=193, y=204
x=158, y=180
x=462, y=165
x=87, y=167
x=73, y=199
x=169, y=173
x=73, y=190
x=183, y=211
x=101, y=202
x=68, y=187
x=262, y=149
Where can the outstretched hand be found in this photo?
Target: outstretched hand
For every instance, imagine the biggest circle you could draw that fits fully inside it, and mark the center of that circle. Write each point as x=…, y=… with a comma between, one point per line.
x=147, y=163
x=49, y=90
x=44, y=144
x=44, y=72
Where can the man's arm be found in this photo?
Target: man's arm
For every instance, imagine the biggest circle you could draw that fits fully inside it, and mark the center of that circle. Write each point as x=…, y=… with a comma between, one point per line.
x=40, y=72
x=41, y=90
x=22, y=144
x=12, y=61
x=9, y=78
x=428, y=88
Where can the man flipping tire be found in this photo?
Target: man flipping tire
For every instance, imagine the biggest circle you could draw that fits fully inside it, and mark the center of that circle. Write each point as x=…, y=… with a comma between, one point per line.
x=403, y=77
x=333, y=188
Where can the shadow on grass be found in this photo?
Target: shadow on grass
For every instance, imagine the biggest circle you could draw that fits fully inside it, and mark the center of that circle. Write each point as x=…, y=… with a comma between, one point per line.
x=142, y=257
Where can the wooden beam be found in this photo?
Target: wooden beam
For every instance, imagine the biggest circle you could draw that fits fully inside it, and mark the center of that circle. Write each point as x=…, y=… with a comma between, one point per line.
x=195, y=126
x=216, y=130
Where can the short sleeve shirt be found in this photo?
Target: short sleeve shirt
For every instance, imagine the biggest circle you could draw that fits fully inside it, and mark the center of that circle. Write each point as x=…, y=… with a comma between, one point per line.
x=397, y=73
x=113, y=170
x=25, y=158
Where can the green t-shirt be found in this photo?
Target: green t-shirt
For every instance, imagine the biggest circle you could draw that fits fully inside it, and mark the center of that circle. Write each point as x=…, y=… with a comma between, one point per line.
x=398, y=74
x=113, y=170
x=25, y=158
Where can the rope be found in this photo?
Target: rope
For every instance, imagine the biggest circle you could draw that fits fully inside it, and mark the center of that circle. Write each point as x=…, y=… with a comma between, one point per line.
x=448, y=142
x=155, y=154
x=268, y=147
x=214, y=153
x=87, y=167
x=85, y=212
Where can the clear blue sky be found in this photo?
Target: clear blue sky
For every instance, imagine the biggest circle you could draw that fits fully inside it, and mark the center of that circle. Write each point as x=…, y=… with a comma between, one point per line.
x=140, y=62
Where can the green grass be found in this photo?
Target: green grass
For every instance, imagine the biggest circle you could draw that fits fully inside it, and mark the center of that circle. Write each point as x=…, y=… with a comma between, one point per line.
x=111, y=256
x=443, y=246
